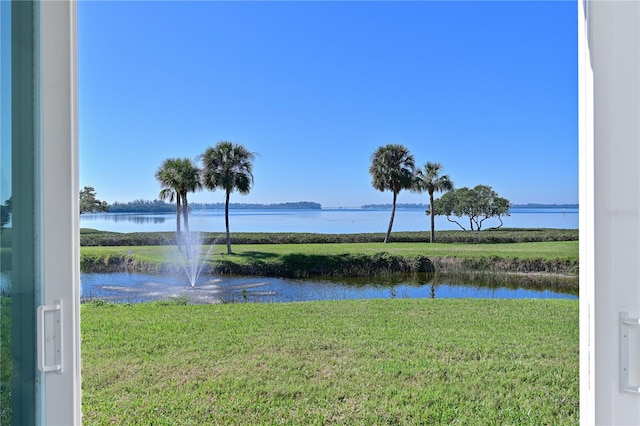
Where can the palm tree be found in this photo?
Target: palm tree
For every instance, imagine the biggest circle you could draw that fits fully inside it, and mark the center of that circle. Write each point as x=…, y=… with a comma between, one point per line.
x=189, y=181
x=227, y=166
x=178, y=177
x=392, y=168
x=431, y=181
x=167, y=176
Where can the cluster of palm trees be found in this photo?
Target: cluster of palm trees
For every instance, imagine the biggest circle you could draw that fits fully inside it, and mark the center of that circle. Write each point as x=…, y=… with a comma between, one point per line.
x=229, y=167
x=226, y=166
x=393, y=169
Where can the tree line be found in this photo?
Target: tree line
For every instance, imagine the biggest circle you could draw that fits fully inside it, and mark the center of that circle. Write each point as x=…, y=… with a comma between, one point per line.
x=160, y=206
x=299, y=205
x=398, y=206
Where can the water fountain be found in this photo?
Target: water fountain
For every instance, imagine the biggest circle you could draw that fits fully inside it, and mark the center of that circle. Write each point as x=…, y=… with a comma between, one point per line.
x=191, y=256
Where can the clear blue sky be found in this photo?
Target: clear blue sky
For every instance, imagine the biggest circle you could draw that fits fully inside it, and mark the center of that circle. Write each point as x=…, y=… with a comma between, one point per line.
x=489, y=89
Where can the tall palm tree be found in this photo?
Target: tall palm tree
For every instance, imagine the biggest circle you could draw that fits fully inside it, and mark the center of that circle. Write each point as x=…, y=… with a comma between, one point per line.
x=431, y=180
x=229, y=167
x=167, y=176
x=178, y=177
x=189, y=181
x=392, y=169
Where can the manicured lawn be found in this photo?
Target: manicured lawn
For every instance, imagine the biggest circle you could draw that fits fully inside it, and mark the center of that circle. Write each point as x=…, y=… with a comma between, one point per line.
x=402, y=361
x=248, y=253
x=541, y=250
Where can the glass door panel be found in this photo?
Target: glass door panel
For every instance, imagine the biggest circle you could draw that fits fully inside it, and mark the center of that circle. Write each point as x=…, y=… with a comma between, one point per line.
x=21, y=278
x=39, y=253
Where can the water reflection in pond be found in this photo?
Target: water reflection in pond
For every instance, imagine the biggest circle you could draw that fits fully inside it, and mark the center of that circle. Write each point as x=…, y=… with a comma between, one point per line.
x=136, y=287
x=135, y=218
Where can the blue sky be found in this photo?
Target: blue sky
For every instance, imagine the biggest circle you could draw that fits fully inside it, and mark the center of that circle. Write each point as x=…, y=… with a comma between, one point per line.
x=489, y=89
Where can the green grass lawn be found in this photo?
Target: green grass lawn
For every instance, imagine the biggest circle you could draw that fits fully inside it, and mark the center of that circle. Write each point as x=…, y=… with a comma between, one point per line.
x=93, y=237
x=403, y=361
x=247, y=253
x=6, y=361
x=541, y=250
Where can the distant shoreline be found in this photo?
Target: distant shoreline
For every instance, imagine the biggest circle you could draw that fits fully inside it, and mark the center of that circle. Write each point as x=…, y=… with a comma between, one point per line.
x=162, y=207
x=544, y=206
x=157, y=206
x=418, y=206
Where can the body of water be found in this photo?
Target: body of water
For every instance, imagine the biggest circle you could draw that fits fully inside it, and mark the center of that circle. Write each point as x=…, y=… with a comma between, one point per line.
x=324, y=221
x=138, y=287
x=135, y=287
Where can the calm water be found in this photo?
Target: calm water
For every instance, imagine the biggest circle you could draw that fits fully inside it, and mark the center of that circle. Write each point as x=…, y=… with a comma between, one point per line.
x=135, y=287
x=325, y=221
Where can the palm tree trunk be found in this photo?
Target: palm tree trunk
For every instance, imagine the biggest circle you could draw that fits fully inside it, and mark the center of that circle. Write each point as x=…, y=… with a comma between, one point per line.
x=393, y=213
x=433, y=222
x=185, y=213
x=177, y=219
x=226, y=222
x=185, y=216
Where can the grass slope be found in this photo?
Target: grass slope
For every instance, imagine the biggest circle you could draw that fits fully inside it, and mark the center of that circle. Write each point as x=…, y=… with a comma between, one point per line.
x=404, y=361
x=295, y=259
x=537, y=250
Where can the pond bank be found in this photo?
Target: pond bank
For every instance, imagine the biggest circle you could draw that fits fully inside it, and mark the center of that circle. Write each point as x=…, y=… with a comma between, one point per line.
x=541, y=273
x=541, y=255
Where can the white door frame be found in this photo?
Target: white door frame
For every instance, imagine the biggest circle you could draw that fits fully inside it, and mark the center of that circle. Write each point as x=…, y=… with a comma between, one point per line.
x=609, y=67
x=586, y=222
x=61, y=240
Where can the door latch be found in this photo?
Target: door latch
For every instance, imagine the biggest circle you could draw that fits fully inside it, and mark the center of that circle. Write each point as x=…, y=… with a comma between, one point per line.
x=626, y=324
x=49, y=337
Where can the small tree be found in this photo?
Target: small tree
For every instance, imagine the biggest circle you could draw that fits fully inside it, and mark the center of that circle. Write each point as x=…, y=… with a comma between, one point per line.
x=478, y=204
x=392, y=169
x=89, y=203
x=5, y=212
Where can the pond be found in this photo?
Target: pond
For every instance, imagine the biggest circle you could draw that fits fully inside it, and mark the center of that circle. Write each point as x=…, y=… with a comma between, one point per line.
x=137, y=287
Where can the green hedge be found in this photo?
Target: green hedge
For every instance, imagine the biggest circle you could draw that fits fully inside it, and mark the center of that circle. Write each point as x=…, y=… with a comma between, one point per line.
x=92, y=237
